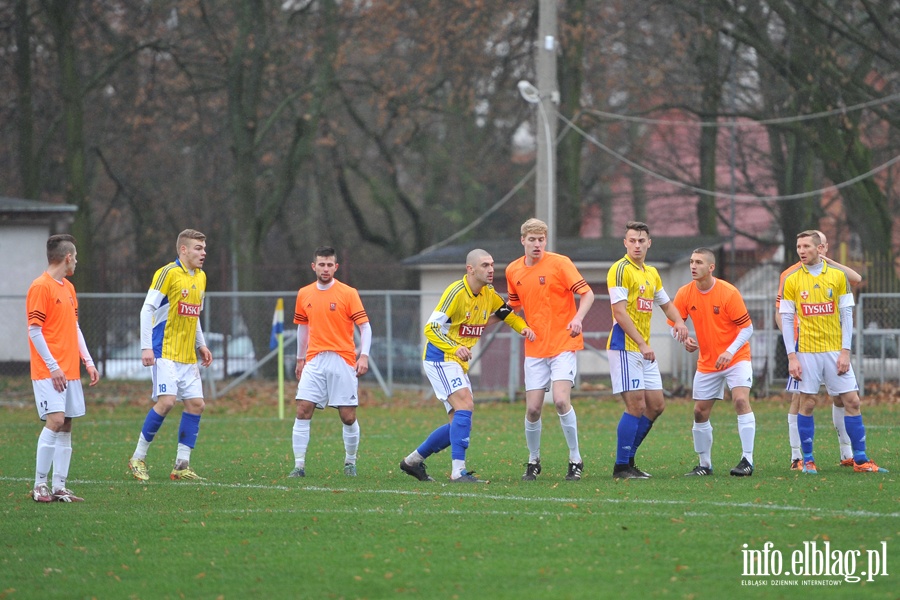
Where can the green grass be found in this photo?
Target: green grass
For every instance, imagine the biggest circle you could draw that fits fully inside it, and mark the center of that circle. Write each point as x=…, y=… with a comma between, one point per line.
x=250, y=531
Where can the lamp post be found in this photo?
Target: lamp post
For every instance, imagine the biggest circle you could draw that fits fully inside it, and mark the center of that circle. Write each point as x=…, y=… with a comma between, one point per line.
x=545, y=95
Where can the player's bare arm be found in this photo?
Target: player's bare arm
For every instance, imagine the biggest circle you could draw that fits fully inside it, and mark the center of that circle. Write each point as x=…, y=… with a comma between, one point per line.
x=206, y=356
x=575, y=326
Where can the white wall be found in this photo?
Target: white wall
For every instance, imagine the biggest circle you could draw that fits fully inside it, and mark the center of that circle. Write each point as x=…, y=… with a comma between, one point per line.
x=24, y=252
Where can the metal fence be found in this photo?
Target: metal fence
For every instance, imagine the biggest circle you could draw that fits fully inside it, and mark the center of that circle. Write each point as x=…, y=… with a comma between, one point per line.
x=237, y=327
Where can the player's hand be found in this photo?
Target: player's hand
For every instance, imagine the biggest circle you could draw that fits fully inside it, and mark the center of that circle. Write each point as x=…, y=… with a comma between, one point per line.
x=463, y=353
x=94, y=375
x=298, y=370
x=681, y=332
x=794, y=369
x=528, y=334
x=362, y=365
x=724, y=360
x=59, y=380
x=574, y=327
x=843, y=361
x=647, y=352
x=205, y=356
x=691, y=344
x=147, y=358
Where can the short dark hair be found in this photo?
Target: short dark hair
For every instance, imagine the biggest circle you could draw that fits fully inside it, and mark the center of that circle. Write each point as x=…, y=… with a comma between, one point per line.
x=59, y=246
x=811, y=233
x=325, y=251
x=706, y=251
x=637, y=226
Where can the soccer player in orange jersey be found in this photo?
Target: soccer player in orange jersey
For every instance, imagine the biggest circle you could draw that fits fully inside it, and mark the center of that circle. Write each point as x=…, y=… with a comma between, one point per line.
x=327, y=366
x=544, y=284
x=57, y=347
x=837, y=407
x=723, y=328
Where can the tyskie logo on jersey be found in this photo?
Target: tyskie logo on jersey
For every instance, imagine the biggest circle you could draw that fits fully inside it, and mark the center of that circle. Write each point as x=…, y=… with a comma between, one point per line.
x=471, y=331
x=644, y=304
x=815, y=309
x=186, y=309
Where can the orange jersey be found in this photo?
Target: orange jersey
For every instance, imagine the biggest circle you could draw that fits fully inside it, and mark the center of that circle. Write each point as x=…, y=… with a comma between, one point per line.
x=546, y=292
x=784, y=275
x=718, y=315
x=53, y=307
x=330, y=315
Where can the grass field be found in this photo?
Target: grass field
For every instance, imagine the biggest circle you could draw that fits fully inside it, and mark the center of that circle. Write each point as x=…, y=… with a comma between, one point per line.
x=250, y=531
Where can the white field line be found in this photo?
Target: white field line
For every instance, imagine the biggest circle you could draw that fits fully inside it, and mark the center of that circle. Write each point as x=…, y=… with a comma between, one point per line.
x=575, y=503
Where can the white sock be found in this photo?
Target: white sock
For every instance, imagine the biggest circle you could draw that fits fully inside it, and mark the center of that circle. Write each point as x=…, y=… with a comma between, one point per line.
x=183, y=455
x=569, y=425
x=351, y=442
x=46, y=448
x=533, y=439
x=62, y=457
x=458, y=467
x=794, y=437
x=703, y=441
x=747, y=432
x=837, y=417
x=414, y=459
x=300, y=441
x=140, y=452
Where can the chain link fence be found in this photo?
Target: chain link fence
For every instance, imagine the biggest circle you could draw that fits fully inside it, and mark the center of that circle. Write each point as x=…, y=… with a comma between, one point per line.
x=238, y=329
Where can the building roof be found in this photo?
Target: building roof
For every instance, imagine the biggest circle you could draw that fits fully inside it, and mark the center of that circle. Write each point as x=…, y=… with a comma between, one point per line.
x=18, y=206
x=665, y=250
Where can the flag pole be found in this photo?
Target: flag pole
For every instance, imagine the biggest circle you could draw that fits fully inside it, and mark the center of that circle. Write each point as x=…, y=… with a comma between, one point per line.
x=277, y=339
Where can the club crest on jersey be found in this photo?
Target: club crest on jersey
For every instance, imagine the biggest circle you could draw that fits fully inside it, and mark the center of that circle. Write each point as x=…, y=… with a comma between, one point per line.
x=184, y=293
x=542, y=279
x=715, y=310
x=332, y=306
x=804, y=294
x=641, y=290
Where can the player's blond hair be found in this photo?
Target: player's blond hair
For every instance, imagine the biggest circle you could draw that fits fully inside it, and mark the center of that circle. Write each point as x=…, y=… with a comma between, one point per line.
x=188, y=234
x=534, y=226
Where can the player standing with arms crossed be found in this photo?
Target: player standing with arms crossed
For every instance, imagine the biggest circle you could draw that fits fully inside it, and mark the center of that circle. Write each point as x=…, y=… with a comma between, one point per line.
x=327, y=366
x=634, y=287
x=544, y=284
x=171, y=339
x=57, y=345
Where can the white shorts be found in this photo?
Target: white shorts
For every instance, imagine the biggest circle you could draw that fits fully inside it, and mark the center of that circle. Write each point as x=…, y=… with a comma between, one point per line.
x=327, y=380
x=541, y=372
x=630, y=372
x=47, y=400
x=181, y=380
x=446, y=378
x=821, y=367
x=711, y=386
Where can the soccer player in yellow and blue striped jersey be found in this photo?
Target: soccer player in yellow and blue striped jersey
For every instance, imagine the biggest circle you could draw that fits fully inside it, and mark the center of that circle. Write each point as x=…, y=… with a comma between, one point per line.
x=819, y=296
x=465, y=309
x=171, y=338
x=634, y=287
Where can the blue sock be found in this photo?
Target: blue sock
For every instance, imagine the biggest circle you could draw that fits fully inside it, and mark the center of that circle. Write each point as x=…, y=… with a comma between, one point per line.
x=460, y=429
x=806, y=427
x=626, y=433
x=188, y=430
x=856, y=431
x=435, y=442
x=643, y=429
x=152, y=424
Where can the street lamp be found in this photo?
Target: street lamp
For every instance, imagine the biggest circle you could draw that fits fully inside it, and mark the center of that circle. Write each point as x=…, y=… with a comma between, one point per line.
x=545, y=152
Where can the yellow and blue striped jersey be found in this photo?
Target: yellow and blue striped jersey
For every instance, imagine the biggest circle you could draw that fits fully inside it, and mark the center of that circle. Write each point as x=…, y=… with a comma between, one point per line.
x=641, y=286
x=817, y=300
x=459, y=320
x=177, y=296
